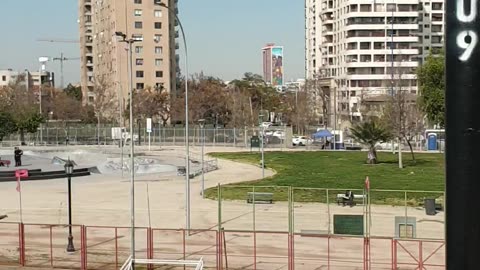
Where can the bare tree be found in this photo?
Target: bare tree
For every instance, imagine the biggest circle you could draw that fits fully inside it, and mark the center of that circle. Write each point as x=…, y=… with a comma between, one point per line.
x=105, y=103
x=402, y=116
x=320, y=97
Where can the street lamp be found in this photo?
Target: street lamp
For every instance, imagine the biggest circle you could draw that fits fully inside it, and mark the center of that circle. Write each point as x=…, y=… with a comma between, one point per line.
x=132, y=151
x=187, y=145
x=69, y=171
x=43, y=61
x=202, y=127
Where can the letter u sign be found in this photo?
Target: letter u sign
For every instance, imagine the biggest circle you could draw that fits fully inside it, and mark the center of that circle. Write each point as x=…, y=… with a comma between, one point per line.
x=467, y=39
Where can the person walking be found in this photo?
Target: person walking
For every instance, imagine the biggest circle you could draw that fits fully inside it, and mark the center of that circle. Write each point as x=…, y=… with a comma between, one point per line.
x=18, y=156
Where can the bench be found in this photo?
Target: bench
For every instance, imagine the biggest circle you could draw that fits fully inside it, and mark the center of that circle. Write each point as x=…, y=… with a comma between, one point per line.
x=356, y=198
x=5, y=162
x=181, y=170
x=259, y=197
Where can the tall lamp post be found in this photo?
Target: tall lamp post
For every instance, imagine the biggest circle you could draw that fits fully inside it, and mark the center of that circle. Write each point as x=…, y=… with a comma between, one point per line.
x=187, y=145
x=202, y=129
x=43, y=61
x=130, y=41
x=69, y=171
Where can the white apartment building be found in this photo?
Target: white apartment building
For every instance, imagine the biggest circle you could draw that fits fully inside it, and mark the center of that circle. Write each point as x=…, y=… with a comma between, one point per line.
x=431, y=27
x=352, y=45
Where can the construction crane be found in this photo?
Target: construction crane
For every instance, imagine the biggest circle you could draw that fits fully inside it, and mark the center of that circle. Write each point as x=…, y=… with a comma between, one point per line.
x=62, y=58
x=58, y=40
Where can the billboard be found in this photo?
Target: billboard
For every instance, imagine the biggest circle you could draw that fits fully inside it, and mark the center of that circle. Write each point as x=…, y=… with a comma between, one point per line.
x=277, y=66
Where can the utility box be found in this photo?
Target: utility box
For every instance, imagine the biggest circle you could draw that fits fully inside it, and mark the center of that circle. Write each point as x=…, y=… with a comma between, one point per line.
x=254, y=142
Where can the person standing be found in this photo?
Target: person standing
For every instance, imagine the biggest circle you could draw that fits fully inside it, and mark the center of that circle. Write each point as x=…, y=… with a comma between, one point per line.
x=18, y=157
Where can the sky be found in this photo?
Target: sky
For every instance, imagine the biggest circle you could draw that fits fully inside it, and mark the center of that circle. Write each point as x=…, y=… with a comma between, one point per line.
x=224, y=37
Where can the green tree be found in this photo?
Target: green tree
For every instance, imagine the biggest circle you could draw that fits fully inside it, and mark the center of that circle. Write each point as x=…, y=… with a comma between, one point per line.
x=370, y=133
x=7, y=125
x=431, y=80
x=74, y=92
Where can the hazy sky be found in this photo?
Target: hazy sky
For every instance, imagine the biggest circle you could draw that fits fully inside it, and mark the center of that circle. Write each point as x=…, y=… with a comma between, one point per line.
x=224, y=37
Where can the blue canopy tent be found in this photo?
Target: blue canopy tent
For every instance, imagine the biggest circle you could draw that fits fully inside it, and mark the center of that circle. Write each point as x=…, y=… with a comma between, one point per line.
x=322, y=134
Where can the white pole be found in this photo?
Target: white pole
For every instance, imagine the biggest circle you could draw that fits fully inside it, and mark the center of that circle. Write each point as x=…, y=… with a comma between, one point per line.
x=149, y=133
x=203, y=160
x=132, y=151
x=40, y=98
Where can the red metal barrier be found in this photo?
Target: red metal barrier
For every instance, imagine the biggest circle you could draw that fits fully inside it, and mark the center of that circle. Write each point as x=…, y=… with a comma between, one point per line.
x=101, y=247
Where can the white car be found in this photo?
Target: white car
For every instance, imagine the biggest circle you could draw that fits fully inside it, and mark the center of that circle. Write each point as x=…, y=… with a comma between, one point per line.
x=279, y=134
x=301, y=140
x=386, y=146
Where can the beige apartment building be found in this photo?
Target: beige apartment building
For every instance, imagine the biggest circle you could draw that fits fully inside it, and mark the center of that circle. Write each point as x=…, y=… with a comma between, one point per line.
x=104, y=56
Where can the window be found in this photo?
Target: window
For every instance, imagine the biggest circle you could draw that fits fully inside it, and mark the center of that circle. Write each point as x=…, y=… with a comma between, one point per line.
x=4, y=78
x=138, y=12
x=138, y=49
x=140, y=86
x=158, y=25
x=158, y=62
x=137, y=1
x=159, y=74
x=159, y=86
x=139, y=73
x=158, y=50
x=138, y=25
x=137, y=37
x=139, y=62
x=157, y=13
x=157, y=38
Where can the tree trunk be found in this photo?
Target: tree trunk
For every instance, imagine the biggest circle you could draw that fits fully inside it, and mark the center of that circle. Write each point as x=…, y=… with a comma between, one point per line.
x=98, y=129
x=22, y=137
x=251, y=112
x=372, y=155
x=411, y=150
x=400, y=160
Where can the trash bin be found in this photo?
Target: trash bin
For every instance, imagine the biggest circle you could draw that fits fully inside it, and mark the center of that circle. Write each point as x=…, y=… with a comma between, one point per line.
x=430, y=207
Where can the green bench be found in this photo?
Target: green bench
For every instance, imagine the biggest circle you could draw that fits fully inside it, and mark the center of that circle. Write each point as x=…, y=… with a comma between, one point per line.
x=259, y=197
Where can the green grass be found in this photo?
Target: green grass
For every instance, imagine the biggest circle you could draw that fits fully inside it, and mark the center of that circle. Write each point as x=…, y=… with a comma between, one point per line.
x=310, y=173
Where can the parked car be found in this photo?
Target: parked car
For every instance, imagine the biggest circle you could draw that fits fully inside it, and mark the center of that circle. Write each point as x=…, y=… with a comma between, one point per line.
x=301, y=140
x=386, y=146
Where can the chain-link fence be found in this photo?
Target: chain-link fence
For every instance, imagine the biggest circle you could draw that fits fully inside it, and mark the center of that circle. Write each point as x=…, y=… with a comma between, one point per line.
x=275, y=136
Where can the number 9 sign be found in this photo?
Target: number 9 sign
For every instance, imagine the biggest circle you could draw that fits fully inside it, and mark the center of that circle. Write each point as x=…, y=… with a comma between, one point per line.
x=467, y=39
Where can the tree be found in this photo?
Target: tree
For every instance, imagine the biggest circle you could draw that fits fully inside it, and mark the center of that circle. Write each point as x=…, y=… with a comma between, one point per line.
x=22, y=106
x=7, y=125
x=404, y=119
x=153, y=103
x=105, y=101
x=370, y=133
x=321, y=96
x=74, y=92
x=431, y=80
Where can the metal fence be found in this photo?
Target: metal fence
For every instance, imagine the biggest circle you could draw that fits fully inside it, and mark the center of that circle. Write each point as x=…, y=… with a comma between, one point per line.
x=160, y=136
x=100, y=247
x=302, y=210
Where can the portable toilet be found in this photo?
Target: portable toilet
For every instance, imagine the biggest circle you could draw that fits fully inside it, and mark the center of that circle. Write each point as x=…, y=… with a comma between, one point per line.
x=432, y=142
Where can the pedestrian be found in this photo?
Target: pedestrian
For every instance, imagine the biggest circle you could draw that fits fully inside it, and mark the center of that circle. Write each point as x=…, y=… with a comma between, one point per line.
x=18, y=156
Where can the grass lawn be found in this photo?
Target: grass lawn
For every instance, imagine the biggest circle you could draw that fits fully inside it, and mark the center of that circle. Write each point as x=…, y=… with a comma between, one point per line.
x=341, y=170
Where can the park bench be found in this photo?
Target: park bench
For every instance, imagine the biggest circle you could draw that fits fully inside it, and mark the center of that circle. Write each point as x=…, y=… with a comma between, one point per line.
x=360, y=198
x=5, y=162
x=181, y=170
x=259, y=197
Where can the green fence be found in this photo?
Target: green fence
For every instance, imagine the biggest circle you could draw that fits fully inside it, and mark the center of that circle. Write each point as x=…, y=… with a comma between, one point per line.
x=312, y=210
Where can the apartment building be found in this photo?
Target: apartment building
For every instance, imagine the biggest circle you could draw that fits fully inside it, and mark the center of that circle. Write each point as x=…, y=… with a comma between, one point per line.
x=364, y=50
x=105, y=58
x=30, y=79
x=431, y=28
